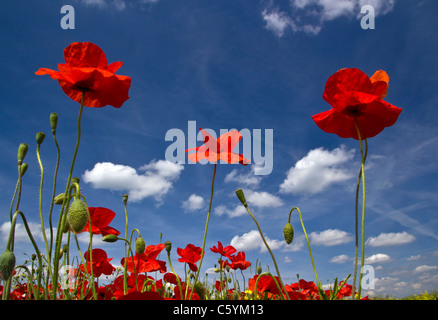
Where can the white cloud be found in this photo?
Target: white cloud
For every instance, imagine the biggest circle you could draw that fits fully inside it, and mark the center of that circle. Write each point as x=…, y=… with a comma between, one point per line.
x=194, y=202
x=377, y=258
x=252, y=240
x=21, y=234
x=340, y=259
x=156, y=180
x=425, y=268
x=238, y=211
x=309, y=16
x=390, y=239
x=247, y=179
x=262, y=199
x=317, y=170
x=330, y=237
x=414, y=258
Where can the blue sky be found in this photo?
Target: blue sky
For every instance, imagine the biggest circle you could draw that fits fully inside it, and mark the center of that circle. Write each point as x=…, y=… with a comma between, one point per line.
x=253, y=65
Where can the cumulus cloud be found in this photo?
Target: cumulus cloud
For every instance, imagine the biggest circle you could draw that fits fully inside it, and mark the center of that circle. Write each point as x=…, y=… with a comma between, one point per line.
x=252, y=241
x=377, y=258
x=151, y=180
x=193, y=203
x=341, y=259
x=238, y=211
x=262, y=199
x=425, y=268
x=317, y=170
x=248, y=179
x=21, y=233
x=390, y=239
x=309, y=16
x=330, y=237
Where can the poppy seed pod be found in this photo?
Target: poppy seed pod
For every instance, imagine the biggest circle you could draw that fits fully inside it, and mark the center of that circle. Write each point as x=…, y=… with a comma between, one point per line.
x=22, y=151
x=241, y=197
x=125, y=198
x=288, y=233
x=77, y=215
x=40, y=137
x=7, y=264
x=53, y=122
x=168, y=246
x=140, y=245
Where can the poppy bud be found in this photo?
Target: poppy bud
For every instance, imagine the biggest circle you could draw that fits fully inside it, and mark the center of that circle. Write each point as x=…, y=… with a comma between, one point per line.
x=125, y=198
x=53, y=122
x=59, y=199
x=75, y=180
x=241, y=197
x=24, y=167
x=77, y=215
x=168, y=246
x=288, y=233
x=140, y=245
x=22, y=151
x=7, y=264
x=200, y=290
x=259, y=270
x=66, y=225
x=40, y=137
x=110, y=238
x=235, y=295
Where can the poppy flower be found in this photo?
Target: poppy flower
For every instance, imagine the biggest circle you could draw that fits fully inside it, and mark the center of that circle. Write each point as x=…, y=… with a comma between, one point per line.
x=101, y=263
x=100, y=220
x=238, y=261
x=87, y=71
x=223, y=251
x=219, y=149
x=146, y=262
x=265, y=283
x=190, y=255
x=356, y=98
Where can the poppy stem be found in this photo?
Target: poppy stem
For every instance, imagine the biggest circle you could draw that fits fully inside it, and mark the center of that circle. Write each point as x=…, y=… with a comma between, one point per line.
x=66, y=198
x=362, y=168
x=206, y=227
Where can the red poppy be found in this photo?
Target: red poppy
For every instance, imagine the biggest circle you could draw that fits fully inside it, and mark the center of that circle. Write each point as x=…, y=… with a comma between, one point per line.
x=357, y=98
x=190, y=255
x=265, y=283
x=87, y=71
x=238, y=261
x=219, y=149
x=101, y=263
x=135, y=295
x=100, y=219
x=146, y=262
x=223, y=251
x=171, y=278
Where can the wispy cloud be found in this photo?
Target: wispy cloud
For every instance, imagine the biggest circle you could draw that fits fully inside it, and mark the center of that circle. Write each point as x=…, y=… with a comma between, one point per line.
x=309, y=16
x=377, y=258
x=155, y=181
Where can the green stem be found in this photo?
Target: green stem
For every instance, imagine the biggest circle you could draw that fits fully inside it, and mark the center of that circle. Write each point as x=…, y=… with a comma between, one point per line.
x=176, y=275
x=363, y=208
x=206, y=227
x=308, y=245
x=125, y=266
x=67, y=196
x=275, y=280
x=269, y=249
x=356, y=219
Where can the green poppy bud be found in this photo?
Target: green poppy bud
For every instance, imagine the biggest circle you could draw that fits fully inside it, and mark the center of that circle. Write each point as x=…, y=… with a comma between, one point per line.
x=22, y=151
x=110, y=238
x=77, y=215
x=168, y=246
x=241, y=197
x=200, y=290
x=140, y=245
x=59, y=199
x=259, y=270
x=288, y=233
x=235, y=295
x=125, y=198
x=7, y=264
x=53, y=122
x=75, y=180
x=40, y=137
x=24, y=167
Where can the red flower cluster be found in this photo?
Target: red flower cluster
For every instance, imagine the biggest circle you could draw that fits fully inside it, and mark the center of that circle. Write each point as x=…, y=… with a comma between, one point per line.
x=236, y=261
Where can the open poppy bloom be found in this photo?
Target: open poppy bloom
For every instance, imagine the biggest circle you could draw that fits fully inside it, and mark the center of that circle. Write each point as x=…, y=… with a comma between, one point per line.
x=87, y=71
x=101, y=263
x=100, y=220
x=190, y=255
x=238, y=261
x=218, y=149
x=223, y=251
x=146, y=262
x=356, y=98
